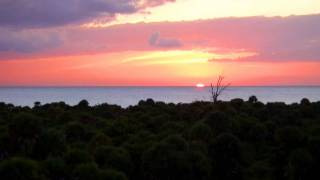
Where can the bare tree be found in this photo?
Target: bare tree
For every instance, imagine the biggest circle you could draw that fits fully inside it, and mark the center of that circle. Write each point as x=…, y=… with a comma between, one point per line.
x=217, y=89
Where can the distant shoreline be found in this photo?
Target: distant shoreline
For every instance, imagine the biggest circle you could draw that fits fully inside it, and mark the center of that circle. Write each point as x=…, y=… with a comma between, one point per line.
x=126, y=96
x=160, y=102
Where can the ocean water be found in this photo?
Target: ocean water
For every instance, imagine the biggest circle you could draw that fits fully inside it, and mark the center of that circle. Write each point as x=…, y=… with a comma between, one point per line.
x=125, y=96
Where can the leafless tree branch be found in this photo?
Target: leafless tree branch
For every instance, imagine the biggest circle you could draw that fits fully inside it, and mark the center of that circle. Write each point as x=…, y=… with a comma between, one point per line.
x=217, y=89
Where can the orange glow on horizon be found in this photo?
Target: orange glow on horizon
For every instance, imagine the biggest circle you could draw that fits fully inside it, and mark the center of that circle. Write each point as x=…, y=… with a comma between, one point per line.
x=145, y=69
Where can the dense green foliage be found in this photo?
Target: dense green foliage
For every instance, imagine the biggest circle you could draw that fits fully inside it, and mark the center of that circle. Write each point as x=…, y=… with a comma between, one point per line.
x=157, y=141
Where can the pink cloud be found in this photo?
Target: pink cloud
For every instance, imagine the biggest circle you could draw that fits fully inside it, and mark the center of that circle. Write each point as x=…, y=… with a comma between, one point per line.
x=271, y=38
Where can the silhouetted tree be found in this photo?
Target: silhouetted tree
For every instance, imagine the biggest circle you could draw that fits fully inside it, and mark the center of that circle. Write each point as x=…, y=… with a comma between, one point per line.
x=50, y=143
x=217, y=89
x=20, y=169
x=24, y=131
x=299, y=165
x=289, y=137
x=37, y=104
x=167, y=160
x=109, y=157
x=253, y=99
x=86, y=172
x=225, y=154
x=112, y=174
x=100, y=139
x=75, y=131
x=75, y=157
x=83, y=104
x=200, y=132
x=305, y=101
x=56, y=168
x=219, y=122
x=154, y=140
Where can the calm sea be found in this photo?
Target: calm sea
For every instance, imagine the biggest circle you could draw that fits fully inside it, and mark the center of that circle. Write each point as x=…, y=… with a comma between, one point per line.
x=126, y=96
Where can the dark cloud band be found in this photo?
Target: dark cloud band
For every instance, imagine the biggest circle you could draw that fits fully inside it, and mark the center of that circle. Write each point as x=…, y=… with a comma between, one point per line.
x=48, y=13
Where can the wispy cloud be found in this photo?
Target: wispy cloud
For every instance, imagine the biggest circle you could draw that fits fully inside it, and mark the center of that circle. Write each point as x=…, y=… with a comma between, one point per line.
x=157, y=41
x=170, y=57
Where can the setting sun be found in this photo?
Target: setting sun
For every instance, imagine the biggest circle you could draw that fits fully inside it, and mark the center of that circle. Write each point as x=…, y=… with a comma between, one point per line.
x=200, y=85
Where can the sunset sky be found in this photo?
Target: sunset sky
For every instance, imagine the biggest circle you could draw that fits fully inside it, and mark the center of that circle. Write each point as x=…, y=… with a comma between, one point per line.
x=159, y=42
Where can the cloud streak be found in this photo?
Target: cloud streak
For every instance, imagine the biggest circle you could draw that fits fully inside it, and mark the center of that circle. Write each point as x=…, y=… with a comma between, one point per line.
x=29, y=41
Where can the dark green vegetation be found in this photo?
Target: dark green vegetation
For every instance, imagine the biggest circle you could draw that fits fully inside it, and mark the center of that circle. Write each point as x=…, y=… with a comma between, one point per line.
x=157, y=141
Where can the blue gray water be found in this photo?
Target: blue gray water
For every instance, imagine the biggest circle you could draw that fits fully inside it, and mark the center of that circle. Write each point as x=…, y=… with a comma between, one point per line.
x=126, y=96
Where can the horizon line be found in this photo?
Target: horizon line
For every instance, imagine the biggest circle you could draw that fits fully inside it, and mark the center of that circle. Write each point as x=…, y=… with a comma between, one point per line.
x=143, y=86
